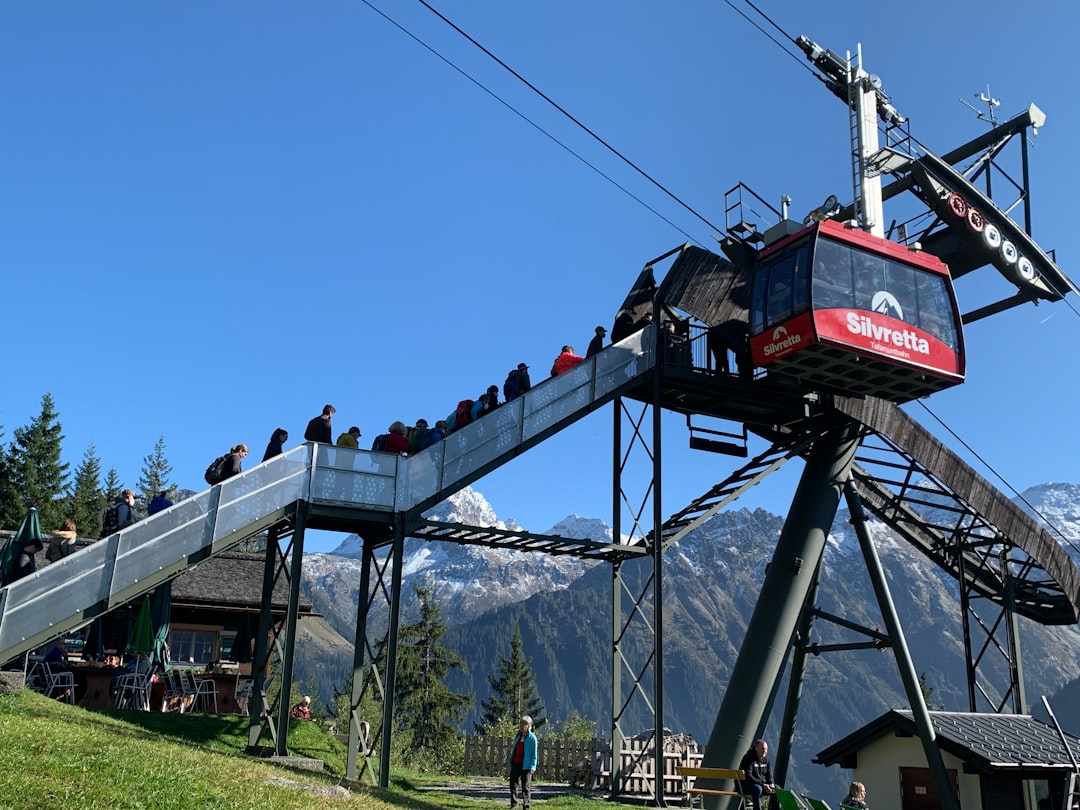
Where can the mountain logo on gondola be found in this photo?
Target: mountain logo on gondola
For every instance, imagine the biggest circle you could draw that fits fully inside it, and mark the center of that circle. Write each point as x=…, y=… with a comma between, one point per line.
x=885, y=303
x=781, y=341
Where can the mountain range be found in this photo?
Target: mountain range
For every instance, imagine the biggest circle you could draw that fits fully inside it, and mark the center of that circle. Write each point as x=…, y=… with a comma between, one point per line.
x=712, y=576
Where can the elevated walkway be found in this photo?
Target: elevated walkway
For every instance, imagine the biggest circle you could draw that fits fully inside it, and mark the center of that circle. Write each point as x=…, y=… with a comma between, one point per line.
x=339, y=488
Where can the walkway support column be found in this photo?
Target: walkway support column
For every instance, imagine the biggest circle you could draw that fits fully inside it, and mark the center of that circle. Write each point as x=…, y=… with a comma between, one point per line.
x=910, y=680
x=391, y=651
x=296, y=562
x=789, y=579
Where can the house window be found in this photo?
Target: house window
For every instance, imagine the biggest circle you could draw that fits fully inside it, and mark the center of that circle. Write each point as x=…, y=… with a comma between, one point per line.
x=196, y=646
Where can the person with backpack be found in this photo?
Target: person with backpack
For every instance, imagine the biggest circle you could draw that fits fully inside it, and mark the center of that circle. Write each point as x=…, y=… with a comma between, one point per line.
x=232, y=462
x=120, y=515
x=319, y=429
x=396, y=441
x=420, y=437
x=350, y=439
x=517, y=382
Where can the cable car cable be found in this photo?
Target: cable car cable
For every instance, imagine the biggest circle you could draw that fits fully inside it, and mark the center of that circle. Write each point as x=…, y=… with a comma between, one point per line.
x=540, y=129
x=1001, y=478
x=578, y=123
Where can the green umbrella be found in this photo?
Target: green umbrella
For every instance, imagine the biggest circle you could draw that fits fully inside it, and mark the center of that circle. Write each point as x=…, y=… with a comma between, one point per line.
x=142, y=637
x=160, y=616
x=26, y=539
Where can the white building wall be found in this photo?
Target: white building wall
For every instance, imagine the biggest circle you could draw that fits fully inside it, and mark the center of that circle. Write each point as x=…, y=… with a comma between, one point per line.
x=879, y=769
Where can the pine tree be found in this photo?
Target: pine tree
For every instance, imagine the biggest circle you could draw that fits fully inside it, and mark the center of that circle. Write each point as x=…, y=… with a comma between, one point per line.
x=113, y=487
x=513, y=693
x=423, y=705
x=86, y=500
x=155, y=472
x=10, y=513
x=38, y=475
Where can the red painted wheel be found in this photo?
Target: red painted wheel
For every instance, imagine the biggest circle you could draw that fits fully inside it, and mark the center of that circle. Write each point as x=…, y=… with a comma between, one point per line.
x=956, y=205
x=976, y=221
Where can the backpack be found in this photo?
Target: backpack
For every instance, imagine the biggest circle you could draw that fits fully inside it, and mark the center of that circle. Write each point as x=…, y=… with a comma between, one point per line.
x=215, y=473
x=380, y=443
x=419, y=440
x=110, y=520
x=463, y=415
x=512, y=386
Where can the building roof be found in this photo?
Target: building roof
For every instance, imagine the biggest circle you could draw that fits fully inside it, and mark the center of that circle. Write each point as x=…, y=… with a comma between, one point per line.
x=985, y=742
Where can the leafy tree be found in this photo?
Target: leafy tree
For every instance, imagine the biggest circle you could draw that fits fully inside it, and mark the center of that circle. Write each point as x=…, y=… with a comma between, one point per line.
x=424, y=707
x=513, y=693
x=87, y=499
x=38, y=475
x=10, y=513
x=155, y=472
x=576, y=727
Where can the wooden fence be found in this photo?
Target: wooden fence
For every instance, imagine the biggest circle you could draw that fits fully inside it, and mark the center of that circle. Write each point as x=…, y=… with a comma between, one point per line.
x=589, y=763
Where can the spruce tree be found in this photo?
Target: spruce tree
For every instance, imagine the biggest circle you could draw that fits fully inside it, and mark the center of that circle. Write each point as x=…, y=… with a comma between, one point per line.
x=10, y=513
x=113, y=487
x=155, y=472
x=513, y=693
x=424, y=707
x=37, y=473
x=87, y=499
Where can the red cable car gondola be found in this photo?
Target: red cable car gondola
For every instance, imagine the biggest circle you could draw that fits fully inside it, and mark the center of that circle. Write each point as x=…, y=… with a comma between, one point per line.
x=846, y=311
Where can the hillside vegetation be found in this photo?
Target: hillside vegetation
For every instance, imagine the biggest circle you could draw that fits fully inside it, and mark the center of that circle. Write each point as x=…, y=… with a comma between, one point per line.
x=60, y=756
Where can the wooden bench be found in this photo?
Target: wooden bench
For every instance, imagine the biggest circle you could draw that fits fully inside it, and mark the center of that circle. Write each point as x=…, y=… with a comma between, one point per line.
x=695, y=793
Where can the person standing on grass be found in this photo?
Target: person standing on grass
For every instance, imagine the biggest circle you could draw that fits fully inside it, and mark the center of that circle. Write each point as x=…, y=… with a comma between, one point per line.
x=522, y=760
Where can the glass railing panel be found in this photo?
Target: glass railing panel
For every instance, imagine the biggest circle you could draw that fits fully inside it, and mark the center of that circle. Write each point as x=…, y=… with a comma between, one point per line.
x=420, y=476
x=160, y=541
x=558, y=398
x=483, y=441
x=255, y=493
x=55, y=594
x=619, y=364
x=357, y=477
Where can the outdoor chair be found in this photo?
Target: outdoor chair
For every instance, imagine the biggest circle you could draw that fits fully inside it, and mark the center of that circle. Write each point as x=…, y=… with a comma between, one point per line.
x=133, y=692
x=786, y=800
x=205, y=691
x=816, y=804
x=58, y=681
x=243, y=694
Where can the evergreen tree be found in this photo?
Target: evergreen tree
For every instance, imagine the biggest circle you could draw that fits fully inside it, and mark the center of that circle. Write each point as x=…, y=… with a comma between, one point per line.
x=513, y=693
x=424, y=707
x=155, y=472
x=10, y=513
x=38, y=475
x=87, y=499
x=113, y=487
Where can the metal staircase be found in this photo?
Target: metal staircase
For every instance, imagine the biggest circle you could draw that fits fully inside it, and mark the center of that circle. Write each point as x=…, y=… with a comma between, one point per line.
x=339, y=487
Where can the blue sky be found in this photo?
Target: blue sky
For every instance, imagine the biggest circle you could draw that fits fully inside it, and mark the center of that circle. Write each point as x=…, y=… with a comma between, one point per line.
x=216, y=219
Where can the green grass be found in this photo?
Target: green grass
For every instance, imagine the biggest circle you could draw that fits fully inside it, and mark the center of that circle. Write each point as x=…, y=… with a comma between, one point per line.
x=60, y=756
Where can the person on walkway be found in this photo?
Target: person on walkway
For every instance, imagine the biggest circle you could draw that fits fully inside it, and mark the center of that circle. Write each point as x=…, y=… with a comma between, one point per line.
x=319, y=429
x=522, y=760
x=276, y=445
x=349, y=439
x=759, y=780
x=596, y=345
x=159, y=503
x=232, y=462
x=856, y=796
x=565, y=361
x=62, y=542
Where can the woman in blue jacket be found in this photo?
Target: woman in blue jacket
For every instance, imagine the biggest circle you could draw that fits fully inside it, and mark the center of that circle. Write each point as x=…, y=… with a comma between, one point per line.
x=522, y=761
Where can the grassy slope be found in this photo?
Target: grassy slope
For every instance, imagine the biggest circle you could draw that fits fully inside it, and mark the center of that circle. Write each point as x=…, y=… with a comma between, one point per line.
x=59, y=756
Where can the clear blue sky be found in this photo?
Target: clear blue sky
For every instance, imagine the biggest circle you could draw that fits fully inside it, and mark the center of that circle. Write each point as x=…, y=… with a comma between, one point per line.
x=216, y=218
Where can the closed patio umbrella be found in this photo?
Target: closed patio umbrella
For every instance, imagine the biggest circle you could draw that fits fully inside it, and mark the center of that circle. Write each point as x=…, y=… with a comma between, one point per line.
x=27, y=539
x=141, y=639
x=160, y=619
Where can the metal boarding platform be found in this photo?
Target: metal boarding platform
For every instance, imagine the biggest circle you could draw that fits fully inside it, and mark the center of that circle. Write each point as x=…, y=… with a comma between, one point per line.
x=65, y=595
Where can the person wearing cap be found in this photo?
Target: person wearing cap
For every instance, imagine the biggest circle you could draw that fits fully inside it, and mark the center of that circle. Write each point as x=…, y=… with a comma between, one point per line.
x=125, y=512
x=596, y=345
x=517, y=382
x=493, y=398
x=349, y=439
